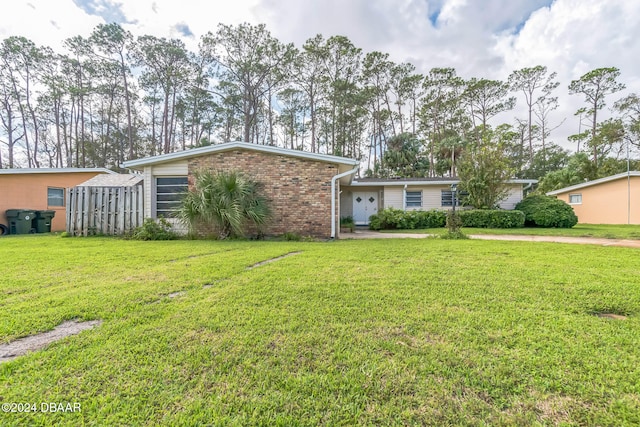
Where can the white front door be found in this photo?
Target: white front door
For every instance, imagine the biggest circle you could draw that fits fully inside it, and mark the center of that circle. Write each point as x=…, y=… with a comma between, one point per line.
x=365, y=204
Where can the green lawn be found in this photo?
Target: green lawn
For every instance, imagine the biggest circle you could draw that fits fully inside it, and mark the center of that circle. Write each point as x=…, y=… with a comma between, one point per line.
x=580, y=230
x=380, y=332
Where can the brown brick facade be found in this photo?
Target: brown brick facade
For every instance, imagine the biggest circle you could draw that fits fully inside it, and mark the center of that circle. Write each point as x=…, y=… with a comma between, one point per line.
x=298, y=190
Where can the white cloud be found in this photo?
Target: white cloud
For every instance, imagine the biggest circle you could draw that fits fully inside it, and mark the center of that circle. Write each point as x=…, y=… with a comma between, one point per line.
x=45, y=22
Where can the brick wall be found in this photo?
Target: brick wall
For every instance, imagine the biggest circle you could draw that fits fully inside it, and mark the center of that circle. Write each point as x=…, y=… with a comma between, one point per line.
x=298, y=190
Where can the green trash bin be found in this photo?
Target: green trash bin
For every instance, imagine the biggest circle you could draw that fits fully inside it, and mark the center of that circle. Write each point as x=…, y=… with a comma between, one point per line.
x=42, y=221
x=20, y=221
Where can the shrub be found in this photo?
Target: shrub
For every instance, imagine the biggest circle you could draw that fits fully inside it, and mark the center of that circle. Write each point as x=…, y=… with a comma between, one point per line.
x=453, y=235
x=391, y=218
x=545, y=211
x=347, y=222
x=290, y=236
x=228, y=201
x=494, y=218
x=154, y=230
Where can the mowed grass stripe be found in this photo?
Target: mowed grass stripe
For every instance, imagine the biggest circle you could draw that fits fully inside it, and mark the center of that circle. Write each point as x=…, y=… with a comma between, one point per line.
x=353, y=332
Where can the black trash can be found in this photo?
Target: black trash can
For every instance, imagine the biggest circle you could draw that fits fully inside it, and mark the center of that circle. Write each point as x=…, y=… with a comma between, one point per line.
x=42, y=221
x=21, y=221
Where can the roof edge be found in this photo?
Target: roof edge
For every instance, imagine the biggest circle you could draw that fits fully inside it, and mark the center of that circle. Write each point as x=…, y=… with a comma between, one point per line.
x=444, y=181
x=210, y=149
x=593, y=182
x=53, y=170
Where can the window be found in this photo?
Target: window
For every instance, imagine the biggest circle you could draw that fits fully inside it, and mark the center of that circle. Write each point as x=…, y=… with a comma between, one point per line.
x=55, y=196
x=447, y=198
x=169, y=193
x=414, y=199
x=575, y=199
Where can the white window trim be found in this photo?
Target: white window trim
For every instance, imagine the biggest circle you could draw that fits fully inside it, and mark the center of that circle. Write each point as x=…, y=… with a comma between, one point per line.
x=64, y=197
x=575, y=194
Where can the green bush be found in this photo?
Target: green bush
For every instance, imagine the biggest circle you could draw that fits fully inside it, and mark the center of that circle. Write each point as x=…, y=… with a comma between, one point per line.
x=290, y=236
x=391, y=218
x=154, y=230
x=493, y=218
x=545, y=211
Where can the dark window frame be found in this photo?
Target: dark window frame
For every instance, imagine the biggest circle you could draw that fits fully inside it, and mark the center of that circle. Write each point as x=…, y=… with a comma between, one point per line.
x=446, y=198
x=413, y=199
x=169, y=193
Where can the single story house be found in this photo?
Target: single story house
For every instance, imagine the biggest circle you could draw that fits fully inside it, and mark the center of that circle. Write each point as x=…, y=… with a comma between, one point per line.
x=365, y=196
x=302, y=188
x=41, y=189
x=613, y=199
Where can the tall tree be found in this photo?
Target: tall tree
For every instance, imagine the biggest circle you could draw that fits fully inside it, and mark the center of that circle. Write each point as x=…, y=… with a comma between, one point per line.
x=530, y=81
x=249, y=60
x=442, y=114
x=113, y=43
x=595, y=86
x=629, y=107
x=166, y=66
x=487, y=98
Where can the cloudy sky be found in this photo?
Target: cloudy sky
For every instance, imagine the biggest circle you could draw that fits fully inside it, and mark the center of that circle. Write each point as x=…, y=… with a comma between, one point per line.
x=479, y=38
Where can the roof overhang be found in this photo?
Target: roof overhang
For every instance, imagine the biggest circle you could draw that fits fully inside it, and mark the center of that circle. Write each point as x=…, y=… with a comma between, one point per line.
x=594, y=182
x=431, y=182
x=139, y=164
x=54, y=170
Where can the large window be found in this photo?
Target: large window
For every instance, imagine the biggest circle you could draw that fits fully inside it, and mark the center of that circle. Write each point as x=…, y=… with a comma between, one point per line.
x=169, y=194
x=55, y=196
x=575, y=199
x=414, y=199
x=447, y=198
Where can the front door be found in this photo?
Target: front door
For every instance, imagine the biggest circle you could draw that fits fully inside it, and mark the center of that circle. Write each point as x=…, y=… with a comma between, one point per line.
x=365, y=204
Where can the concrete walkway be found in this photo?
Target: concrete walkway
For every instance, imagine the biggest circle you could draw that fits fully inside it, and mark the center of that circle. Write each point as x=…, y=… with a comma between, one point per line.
x=368, y=234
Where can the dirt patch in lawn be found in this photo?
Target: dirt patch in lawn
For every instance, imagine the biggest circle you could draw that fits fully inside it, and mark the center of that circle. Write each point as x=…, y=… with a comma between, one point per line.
x=24, y=345
x=258, y=264
x=612, y=316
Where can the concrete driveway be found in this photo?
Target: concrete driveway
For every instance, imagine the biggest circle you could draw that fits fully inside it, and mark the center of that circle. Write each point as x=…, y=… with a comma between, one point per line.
x=368, y=234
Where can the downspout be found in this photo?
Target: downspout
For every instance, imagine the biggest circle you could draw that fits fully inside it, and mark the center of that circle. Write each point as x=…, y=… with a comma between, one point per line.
x=404, y=198
x=333, y=198
x=526, y=188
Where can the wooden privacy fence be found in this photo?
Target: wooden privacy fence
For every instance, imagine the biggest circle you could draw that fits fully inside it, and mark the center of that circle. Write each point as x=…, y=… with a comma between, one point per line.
x=104, y=210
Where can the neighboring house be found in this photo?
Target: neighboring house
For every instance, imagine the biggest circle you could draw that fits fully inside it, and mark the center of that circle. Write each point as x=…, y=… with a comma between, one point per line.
x=364, y=197
x=302, y=187
x=614, y=199
x=41, y=189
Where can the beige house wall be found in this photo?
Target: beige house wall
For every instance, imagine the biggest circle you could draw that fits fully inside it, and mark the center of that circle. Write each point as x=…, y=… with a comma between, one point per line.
x=432, y=197
x=608, y=202
x=29, y=191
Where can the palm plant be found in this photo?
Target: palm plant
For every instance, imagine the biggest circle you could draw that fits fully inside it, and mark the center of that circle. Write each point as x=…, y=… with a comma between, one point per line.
x=228, y=201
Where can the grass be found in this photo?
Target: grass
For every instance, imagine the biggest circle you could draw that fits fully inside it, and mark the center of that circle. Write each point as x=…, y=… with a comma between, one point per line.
x=380, y=332
x=580, y=230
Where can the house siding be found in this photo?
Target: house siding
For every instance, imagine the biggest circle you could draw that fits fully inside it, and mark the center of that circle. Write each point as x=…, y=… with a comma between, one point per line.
x=298, y=190
x=393, y=197
x=608, y=202
x=514, y=196
x=432, y=196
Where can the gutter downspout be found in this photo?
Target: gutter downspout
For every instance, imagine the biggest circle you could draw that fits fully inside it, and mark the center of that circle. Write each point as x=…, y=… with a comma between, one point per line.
x=404, y=198
x=333, y=198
